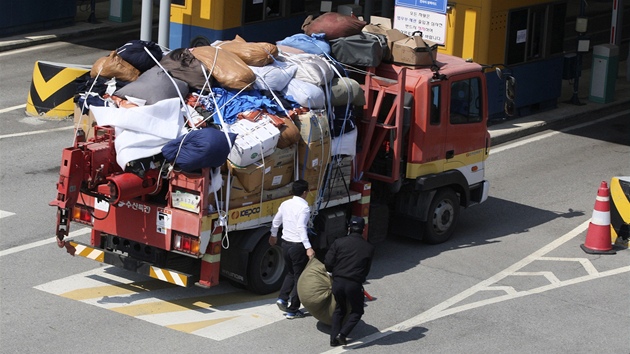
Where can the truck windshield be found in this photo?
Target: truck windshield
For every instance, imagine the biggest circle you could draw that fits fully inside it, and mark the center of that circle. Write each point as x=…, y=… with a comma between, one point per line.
x=465, y=104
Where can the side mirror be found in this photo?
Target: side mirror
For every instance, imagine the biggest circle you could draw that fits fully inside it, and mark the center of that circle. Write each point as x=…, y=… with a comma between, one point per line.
x=499, y=73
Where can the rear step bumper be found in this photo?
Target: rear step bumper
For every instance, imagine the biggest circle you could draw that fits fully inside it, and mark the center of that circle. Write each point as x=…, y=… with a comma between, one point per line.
x=121, y=261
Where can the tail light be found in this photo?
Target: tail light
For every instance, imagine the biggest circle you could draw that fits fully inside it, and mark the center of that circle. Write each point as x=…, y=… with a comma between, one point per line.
x=185, y=243
x=83, y=214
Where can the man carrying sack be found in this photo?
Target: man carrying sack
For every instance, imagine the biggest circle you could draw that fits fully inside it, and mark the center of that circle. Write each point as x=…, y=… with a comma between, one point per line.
x=349, y=260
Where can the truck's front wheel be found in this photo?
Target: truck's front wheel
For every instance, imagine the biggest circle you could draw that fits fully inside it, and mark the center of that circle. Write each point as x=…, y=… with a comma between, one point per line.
x=265, y=271
x=443, y=216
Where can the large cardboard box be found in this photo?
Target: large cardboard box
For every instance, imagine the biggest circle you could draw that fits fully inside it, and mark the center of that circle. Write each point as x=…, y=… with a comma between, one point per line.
x=84, y=121
x=414, y=51
x=313, y=160
x=272, y=172
x=313, y=125
x=314, y=156
x=258, y=174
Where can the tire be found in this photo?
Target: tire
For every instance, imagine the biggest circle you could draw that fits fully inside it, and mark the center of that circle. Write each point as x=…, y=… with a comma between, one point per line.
x=442, y=217
x=265, y=271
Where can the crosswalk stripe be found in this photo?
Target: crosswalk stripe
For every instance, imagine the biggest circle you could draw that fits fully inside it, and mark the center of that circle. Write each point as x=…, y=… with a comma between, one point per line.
x=217, y=313
x=115, y=290
x=184, y=304
x=4, y=214
x=194, y=326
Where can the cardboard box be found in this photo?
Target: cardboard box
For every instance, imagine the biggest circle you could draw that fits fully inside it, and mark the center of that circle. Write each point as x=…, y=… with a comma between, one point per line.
x=334, y=192
x=237, y=190
x=272, y=172
x=414, y=51
x=313, y=177
x=258, y=174
x=86, y=121
x=314, y=156
x=254, y=140
x=383, y=25
x=281, y=156
x=313, y=125
x=277, y=193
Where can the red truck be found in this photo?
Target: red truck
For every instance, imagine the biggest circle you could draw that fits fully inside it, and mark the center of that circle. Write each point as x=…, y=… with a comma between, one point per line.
x=420, y=157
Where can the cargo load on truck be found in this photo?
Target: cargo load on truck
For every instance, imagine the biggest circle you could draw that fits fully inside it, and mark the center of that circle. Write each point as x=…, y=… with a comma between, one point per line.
x=178, y=167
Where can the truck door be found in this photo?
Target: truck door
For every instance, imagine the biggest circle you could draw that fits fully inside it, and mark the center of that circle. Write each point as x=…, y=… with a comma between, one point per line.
x=466, y=132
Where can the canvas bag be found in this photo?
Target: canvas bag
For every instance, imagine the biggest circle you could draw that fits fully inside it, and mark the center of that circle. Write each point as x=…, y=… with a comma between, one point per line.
x=363, y=49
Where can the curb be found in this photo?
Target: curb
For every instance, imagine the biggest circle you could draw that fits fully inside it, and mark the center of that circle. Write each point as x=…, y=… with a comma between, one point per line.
x=51, y=38
x=560, y=122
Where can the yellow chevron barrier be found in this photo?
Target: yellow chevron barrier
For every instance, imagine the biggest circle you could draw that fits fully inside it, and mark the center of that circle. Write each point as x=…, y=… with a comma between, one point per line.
x=53, y=89
x=620, y=211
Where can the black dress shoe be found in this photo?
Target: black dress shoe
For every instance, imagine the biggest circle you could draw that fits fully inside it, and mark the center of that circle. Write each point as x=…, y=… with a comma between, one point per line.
x=334, y=342
x=341, y=339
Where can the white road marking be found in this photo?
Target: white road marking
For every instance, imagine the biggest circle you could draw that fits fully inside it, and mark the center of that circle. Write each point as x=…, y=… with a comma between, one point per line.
x=35, y=132
x=217, y=313
x=33, y=48
x=21, y=248
x=504, y=147
x=4, y=110
x=447, y=307
x=4, y=214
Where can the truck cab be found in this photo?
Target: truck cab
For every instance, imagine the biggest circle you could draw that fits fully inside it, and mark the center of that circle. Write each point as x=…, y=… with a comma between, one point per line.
x=426, y=141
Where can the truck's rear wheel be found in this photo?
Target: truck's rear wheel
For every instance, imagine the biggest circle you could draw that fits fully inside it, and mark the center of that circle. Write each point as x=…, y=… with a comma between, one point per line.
x=443, y=216
x=265, y=271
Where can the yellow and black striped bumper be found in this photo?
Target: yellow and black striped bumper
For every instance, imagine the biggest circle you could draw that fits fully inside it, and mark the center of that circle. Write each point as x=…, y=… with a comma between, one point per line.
x=122, y=261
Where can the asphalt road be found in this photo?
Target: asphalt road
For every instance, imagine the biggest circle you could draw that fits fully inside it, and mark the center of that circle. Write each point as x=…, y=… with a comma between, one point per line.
x=512, y=280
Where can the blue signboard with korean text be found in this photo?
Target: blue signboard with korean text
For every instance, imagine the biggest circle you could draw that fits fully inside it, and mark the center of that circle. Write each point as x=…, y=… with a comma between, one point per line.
x=429, y=5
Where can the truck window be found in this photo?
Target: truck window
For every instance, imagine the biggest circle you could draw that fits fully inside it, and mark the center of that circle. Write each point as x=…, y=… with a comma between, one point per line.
x=435, y=105
x=465, y=101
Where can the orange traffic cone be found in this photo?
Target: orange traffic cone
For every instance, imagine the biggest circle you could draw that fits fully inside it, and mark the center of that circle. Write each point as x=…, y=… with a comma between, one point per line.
x=598, y=234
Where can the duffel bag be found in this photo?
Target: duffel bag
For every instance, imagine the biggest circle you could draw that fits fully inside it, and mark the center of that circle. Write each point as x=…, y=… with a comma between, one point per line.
x=363, y=49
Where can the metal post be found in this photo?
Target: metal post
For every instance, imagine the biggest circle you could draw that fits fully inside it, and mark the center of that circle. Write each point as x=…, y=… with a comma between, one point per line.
x=387, y=8
x=578, y=64
x=163, y=25
x=146, y=20
x=92, y=17
x=615, y=23
x=368, y=9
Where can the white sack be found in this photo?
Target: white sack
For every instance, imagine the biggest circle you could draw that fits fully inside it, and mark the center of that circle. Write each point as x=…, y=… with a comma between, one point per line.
x=345, y=144
x=274, y=76
x=306, y=94
x=142, y=131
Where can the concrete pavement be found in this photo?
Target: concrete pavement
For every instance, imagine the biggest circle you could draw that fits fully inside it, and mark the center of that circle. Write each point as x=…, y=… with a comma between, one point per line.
x=566, y=113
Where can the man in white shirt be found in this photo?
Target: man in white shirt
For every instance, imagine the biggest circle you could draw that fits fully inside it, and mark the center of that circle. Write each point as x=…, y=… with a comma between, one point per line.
x=293, y=215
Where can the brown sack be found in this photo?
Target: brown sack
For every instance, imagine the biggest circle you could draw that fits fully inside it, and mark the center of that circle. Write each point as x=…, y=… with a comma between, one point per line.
x=114, y=66
x=289, y=134
x=254, y=54
x=226, y=67
x=334, y=25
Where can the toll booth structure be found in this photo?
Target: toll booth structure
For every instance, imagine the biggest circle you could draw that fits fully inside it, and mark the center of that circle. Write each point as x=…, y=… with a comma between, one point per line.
x=201, y=22
x=524, y=35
